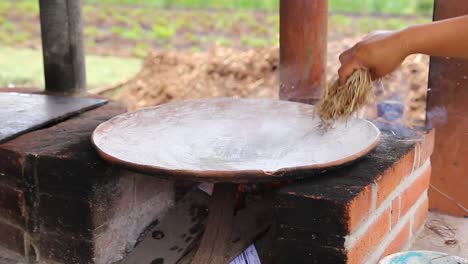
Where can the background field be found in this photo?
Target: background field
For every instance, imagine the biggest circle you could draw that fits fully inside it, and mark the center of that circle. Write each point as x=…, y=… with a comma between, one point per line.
x=396, y=6
x=119, y=33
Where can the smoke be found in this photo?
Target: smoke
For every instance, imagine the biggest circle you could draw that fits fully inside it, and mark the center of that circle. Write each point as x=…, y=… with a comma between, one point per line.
x=389, y=118
x=436, y=117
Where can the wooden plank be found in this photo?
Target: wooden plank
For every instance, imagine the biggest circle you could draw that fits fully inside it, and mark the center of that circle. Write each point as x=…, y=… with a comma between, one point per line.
x=216, y=240
x=250, y=224
x=265, y=245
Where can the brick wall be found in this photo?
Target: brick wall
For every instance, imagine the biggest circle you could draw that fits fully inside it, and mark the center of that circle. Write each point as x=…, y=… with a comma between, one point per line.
x=60, y=203
x=389, y=226
x=359, y=213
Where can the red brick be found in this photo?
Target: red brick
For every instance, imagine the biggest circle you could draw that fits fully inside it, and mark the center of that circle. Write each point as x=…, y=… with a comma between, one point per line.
x=399, y=241
x=12, y=204
x=395, y=211
x=413, y=192
x=11, y=166
x=426, y=147
x=371, y=239
x=12, y=238
x=359, y=208
x=391, y=178
x=420, y=216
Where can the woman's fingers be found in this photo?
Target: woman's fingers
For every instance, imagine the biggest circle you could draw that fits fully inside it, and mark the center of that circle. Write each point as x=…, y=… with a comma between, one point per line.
x=345, y=56
x=346, y=70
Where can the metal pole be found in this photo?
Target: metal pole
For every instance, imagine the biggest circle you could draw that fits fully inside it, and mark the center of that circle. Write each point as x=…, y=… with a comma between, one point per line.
x=62, y=46
x=446, y=110
x=303, y=49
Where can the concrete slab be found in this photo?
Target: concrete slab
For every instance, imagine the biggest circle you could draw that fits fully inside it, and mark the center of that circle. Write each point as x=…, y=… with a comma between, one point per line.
x=444, y=233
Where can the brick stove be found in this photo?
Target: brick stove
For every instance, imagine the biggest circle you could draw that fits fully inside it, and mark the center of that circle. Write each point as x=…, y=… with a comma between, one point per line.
x=361, y=212
x=60, y=203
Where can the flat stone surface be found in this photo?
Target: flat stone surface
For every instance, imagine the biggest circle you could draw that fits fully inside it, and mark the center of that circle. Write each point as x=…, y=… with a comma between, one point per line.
x=444, y=233
x=70, y=141
x=20, y=112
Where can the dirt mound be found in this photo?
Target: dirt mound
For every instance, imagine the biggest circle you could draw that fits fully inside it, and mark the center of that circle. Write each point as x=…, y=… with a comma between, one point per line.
x=221, y=72
x=178, y=75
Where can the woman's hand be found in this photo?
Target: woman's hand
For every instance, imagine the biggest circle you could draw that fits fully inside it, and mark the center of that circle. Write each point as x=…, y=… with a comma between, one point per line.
x=381, y=52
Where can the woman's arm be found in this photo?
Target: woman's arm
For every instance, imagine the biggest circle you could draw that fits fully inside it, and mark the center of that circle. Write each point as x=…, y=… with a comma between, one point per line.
x=382, y=52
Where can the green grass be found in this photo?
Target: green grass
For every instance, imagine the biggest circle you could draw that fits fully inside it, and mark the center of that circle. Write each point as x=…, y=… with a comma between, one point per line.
x=163, y=32
x=383, y=6
x=136, y=26
x=23, y=67
x=255, y=42
x=248, y=4
x=379, y=6
x=134, y=33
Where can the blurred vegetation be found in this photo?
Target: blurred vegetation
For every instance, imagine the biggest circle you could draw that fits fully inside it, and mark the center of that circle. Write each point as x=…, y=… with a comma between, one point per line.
x=23, y=67
x=135, y=27
x=130, y=28
x=361, y=6
x=372, y=6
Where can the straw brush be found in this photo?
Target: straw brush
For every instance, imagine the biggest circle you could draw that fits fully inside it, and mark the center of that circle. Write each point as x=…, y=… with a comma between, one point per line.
x=340, y=102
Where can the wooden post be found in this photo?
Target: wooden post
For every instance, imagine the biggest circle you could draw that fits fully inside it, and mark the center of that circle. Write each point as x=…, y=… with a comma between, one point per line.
x=216, y=240
x=62, y=46
x=303, y=49
x=447, y=110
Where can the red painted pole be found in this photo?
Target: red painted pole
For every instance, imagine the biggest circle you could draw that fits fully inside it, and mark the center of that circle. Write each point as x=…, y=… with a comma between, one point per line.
x=303, y=49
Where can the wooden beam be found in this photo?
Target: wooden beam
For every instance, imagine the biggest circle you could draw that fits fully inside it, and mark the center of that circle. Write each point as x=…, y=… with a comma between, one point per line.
x=216, y=240
x=303, y=49
x=62, y=46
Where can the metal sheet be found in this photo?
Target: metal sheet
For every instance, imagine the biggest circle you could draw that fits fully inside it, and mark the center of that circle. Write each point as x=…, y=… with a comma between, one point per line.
x=20, y=112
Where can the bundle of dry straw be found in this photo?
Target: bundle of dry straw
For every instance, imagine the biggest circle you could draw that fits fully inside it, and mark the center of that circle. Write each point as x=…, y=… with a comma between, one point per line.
x=340, y=102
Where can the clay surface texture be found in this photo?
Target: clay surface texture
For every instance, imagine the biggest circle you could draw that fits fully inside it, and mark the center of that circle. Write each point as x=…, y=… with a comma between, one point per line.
x=231, y=135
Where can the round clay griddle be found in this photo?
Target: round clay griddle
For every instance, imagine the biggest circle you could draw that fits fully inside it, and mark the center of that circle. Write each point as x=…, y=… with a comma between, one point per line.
x=230, y=140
